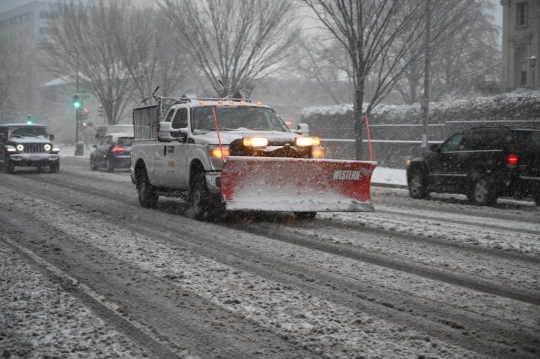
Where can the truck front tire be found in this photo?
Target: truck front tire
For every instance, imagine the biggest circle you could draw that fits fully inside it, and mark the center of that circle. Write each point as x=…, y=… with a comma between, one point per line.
x=148, y=197
x=201, y=197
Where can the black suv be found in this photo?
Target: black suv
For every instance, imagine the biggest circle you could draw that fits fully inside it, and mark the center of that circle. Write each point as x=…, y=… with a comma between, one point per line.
x=483, y=163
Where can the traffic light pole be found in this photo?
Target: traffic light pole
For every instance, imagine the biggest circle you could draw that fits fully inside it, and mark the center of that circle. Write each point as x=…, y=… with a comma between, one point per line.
x=76, y=126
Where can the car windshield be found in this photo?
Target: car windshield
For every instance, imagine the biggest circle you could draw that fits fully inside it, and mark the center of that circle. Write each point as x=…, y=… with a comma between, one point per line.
x=28, y=131
x=125, y=141
x=237, y=118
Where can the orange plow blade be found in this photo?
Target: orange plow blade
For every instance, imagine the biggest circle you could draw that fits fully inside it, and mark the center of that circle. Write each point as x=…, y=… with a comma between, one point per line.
x=296, y=185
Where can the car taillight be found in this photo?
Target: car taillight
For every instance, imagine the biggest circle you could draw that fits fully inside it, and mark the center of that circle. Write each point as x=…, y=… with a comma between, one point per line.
x=511, y=160
x=117, y=149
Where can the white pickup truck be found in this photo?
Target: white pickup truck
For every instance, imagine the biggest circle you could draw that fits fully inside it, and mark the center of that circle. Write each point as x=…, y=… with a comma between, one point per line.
x=213, y=152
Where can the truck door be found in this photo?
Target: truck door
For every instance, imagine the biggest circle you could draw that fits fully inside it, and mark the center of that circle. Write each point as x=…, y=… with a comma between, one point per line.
x=174, y=161
x=160, y=157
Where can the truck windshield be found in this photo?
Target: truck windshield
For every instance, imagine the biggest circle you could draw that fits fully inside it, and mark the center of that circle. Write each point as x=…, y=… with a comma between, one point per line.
x=237, y=118
x=28, y=131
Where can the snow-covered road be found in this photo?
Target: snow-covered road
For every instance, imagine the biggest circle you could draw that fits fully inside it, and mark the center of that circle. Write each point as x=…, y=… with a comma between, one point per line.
x=87, y=273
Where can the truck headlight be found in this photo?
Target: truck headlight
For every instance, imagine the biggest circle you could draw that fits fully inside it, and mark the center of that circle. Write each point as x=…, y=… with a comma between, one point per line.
x=255, y=141
x=47, y=147
x=20, y=148
x=217, y=154
x=307, y=141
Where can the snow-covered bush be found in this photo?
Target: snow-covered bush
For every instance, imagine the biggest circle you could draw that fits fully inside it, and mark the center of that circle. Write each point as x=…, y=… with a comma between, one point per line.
x=518, y=105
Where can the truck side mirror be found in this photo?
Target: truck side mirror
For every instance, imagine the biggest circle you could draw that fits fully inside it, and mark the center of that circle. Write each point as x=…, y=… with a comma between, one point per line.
x=51, y=137
x=165, y=130
x=303, y=129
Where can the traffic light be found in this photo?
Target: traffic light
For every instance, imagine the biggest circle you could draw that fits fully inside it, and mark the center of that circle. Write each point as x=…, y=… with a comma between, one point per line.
x=29, y=120
x=77, y=103
x=100, y=110
x=85, y=111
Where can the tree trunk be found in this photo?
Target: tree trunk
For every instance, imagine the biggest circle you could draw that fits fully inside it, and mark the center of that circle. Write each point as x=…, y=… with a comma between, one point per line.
x=358, y=120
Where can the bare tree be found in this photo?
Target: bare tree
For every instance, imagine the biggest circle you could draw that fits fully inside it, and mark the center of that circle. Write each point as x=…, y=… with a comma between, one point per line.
x=466, y=49
x=80, y=42
x=367, y=30
x=324, y=63
x=234, y=41
x=11, y=66
x=150, y=58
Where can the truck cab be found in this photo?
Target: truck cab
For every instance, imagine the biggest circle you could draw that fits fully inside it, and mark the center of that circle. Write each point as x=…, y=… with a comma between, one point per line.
x=178, y=147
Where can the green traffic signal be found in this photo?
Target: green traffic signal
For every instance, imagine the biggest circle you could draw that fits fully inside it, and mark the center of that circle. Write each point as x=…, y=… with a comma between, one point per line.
x=77, y=103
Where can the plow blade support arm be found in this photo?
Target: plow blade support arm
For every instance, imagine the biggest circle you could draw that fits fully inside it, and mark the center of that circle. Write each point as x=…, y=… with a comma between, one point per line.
x=296, y=185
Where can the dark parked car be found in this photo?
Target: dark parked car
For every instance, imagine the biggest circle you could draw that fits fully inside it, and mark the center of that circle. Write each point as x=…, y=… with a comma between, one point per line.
x=483, y=163
x=112, y=152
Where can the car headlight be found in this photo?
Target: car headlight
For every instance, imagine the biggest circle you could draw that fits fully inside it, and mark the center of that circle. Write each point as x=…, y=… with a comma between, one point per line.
x=20, y=148
x=47, y=147
x=10, y=149
x=55, y=149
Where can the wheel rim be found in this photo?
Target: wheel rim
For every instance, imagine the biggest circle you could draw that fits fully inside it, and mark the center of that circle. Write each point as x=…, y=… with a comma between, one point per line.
x=197, y=201
x=480, y=191
x=416, y=185
x=144, y=189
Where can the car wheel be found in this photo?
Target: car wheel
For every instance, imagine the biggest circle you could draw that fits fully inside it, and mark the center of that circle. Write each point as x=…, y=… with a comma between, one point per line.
x=417, y=186
x=482, y=193
x=93, y=165
x=108, y=166
x=9, y=167
x=148, y=197
x=305, y=215
x=55, y=167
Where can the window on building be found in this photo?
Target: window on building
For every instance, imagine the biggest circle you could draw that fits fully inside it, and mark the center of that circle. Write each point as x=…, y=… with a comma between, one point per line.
x=521, y=60
x=521, y=13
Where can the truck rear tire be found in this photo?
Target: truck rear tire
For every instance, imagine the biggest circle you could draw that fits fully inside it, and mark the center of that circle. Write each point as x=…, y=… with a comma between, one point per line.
x=148, y=197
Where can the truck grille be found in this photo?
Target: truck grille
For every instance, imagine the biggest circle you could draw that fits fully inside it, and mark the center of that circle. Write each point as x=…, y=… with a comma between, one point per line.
x=34, y=148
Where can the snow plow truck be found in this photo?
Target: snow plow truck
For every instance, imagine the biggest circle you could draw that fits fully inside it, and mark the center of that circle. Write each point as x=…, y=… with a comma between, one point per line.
x=230, y=154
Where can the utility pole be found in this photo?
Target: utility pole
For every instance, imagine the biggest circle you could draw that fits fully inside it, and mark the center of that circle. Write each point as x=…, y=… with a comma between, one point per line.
x=425, y=99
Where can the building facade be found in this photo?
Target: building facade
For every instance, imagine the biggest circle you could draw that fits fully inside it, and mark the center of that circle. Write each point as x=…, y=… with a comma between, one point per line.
x=24, y=24
x=521, y=44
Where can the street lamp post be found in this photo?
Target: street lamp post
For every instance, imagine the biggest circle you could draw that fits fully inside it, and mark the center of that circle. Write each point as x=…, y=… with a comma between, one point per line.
x=427, y=64
x=532, y=62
